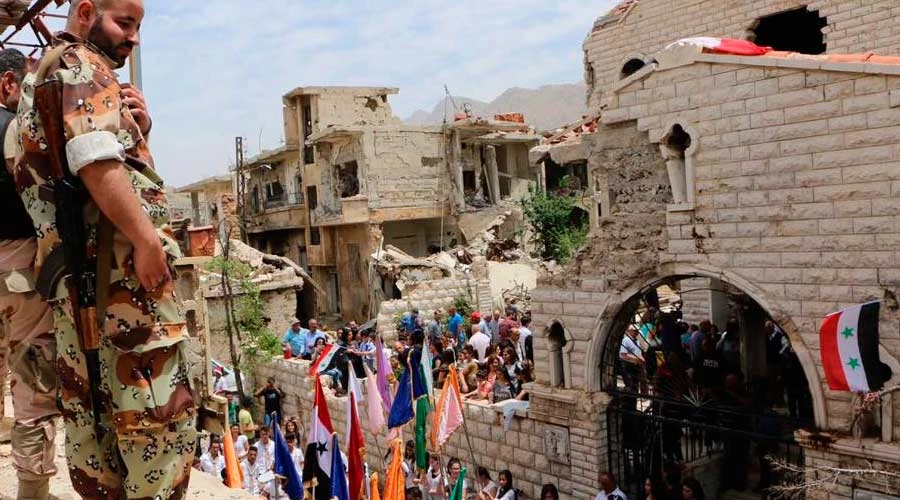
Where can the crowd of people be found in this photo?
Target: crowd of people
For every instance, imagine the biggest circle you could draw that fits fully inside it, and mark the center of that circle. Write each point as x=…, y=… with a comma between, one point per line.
x=492, y=352
x=683, y=371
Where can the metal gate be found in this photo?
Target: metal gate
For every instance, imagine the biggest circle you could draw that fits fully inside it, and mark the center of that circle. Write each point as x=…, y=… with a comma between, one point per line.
x=647, y=434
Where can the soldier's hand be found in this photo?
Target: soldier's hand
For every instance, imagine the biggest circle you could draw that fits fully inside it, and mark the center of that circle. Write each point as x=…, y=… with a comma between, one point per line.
x=151, y=266
x=134, y=99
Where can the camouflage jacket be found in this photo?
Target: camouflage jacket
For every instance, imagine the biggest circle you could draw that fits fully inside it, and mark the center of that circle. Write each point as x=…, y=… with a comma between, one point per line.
x=98, y=126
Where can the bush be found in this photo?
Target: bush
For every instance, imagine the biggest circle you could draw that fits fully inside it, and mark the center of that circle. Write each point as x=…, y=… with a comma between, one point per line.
x=558, y=232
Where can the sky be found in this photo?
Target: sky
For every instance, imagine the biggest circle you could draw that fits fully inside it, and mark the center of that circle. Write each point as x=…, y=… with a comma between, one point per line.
x=214, y=70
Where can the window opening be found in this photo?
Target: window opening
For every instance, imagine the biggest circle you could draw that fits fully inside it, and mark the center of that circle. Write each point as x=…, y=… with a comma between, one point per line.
x=557, y=340
x=796, y=30
x=315, y=236
x=631, y=67
x=312, y=197
x=347, y=179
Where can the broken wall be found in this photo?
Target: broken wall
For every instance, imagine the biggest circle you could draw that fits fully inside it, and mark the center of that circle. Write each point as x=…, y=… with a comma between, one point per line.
x=344, y=108
x=427, y=296
x=407, y=169
x=353, y=246
x=280, y=307
x=415, y=238
x=653, y=24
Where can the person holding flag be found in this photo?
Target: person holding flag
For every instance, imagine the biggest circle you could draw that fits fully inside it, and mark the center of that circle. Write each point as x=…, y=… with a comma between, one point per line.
x=317, y=465
x=287, y=477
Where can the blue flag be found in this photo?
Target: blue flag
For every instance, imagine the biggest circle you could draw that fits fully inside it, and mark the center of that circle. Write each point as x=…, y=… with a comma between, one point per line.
x=284, y=466
x=339, y=489
x=402, y=409
x=418, y=378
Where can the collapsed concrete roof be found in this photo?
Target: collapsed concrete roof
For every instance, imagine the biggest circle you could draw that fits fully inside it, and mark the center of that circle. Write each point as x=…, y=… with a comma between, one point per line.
x=269, y=272
x=203, y=184
x=565, y=145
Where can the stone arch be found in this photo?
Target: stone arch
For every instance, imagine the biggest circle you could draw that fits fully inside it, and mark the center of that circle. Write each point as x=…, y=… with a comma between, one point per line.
x=678, y=145
x=604, y=325
x=631, y=65
x=560, y=344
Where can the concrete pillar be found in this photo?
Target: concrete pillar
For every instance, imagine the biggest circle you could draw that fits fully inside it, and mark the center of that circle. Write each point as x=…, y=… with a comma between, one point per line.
x=490, y=158
x=195, y=208
x=479, y=189
x=457, y=169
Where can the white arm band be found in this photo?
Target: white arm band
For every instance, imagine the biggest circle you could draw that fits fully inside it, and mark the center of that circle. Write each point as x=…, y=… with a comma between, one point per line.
x=92, y=147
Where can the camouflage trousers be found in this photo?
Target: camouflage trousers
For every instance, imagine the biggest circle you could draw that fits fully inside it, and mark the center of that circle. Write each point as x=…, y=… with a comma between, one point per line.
x=149, y=402
x=28, y=349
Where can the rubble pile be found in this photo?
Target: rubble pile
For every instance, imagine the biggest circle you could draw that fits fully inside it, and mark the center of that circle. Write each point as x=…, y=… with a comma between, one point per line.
x=268, y=272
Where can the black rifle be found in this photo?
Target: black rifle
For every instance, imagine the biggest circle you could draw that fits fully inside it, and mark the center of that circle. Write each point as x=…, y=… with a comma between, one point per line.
x=70, y=197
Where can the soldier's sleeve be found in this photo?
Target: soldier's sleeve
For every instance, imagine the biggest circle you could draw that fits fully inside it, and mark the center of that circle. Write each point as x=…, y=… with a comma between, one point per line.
x=91, y=111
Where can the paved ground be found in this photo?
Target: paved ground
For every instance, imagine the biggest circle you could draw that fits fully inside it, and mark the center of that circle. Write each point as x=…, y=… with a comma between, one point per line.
x=202, y=486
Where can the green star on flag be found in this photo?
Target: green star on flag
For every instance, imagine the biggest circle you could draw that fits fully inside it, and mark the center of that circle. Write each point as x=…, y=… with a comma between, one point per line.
x=854, y=363
x=847, y=332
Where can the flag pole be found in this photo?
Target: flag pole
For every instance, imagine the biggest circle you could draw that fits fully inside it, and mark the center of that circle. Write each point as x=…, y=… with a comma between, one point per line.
x=469, y=442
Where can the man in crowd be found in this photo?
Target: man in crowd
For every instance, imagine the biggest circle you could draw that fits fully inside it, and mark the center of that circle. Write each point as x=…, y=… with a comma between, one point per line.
x=105, y=147
x=480, y=342
x=252, y=469
x=507, y=323
x=245, y=419
x=610, y=489
x=212, y=462
x=478, y=319
x=311, y=337
x=456, y=327
x=494, y=326
x=295, y=338
x=631, y=359
x=296, y=454
x=435, y=329
x=272, y=397
x=26, y=320
x=526, y=339
x=265, y=448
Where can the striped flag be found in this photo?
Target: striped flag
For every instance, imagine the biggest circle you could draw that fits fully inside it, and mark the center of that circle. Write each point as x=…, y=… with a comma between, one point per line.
x=449, y=414
x=849, y=345
x=321, y=363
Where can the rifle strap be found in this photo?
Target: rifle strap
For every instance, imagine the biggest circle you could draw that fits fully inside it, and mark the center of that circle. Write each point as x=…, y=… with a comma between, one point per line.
x=50, y=59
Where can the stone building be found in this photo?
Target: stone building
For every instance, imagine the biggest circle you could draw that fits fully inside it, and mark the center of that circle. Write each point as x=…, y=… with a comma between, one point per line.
x=351, y=180
x=766, y=180
x=766, y=185
x=212, y=202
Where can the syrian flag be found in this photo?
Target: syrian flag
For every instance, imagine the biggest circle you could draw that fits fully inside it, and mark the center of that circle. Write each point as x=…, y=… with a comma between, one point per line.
x=849, y=344
x=723, y=45
x=317, y=463
x=324, y=359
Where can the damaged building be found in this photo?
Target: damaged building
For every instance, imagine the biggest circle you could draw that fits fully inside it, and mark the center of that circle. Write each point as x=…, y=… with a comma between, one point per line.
x=353, y=181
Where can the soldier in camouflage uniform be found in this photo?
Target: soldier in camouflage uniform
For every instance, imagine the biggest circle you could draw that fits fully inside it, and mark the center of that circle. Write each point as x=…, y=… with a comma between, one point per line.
x=27, y=322
x=149, y=404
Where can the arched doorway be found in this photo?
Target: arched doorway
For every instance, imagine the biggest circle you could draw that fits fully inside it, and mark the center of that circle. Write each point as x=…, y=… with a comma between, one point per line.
x=715, y=405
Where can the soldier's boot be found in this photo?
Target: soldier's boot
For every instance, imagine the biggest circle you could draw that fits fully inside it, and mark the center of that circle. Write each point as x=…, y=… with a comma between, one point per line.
x=34, y=458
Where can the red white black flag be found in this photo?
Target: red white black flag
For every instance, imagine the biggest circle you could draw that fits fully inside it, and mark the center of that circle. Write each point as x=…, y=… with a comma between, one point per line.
x=849, y=346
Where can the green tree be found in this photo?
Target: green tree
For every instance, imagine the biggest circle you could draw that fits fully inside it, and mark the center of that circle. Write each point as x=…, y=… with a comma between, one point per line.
x=558, y=231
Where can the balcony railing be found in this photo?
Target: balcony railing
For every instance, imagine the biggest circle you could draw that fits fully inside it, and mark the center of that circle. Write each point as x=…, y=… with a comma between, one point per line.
x=280, y=201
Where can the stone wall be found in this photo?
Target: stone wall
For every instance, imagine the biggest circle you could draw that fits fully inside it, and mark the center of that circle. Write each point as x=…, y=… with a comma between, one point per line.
x=521, y=449
x=793, y=186
x=342, y=107
x=426, y=296
x=853, y=26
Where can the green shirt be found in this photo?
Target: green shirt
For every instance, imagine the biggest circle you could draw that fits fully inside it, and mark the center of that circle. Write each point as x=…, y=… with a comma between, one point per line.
x=245, y=419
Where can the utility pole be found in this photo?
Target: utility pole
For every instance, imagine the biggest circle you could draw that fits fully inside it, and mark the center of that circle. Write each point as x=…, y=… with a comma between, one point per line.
x=241, y=187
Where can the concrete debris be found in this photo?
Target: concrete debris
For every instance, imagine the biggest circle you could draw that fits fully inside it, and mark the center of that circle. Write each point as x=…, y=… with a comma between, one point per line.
x=503, y=250
x=269, y=272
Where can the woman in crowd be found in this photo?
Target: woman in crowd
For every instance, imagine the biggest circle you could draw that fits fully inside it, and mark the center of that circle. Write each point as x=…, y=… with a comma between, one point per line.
x=434, y=478
x=501, y=389
x=291, y=428
x=523, y=376
x=454, y=467
x=510, y=362
x=549, y=492
x=487, y=488
x=654, y=490
x=506, y=491
x=468, y=369
x=691, y=490
x=484, y=389
x=332, y=370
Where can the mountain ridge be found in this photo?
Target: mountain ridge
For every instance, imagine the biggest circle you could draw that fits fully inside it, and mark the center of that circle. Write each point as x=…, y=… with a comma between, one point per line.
x=546, y=108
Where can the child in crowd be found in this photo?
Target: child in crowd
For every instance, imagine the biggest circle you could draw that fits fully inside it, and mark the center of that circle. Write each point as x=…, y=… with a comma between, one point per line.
x=434, y=478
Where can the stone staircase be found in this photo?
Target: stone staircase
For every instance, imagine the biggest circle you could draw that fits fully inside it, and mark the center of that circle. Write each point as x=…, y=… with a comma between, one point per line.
x=484, y=302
